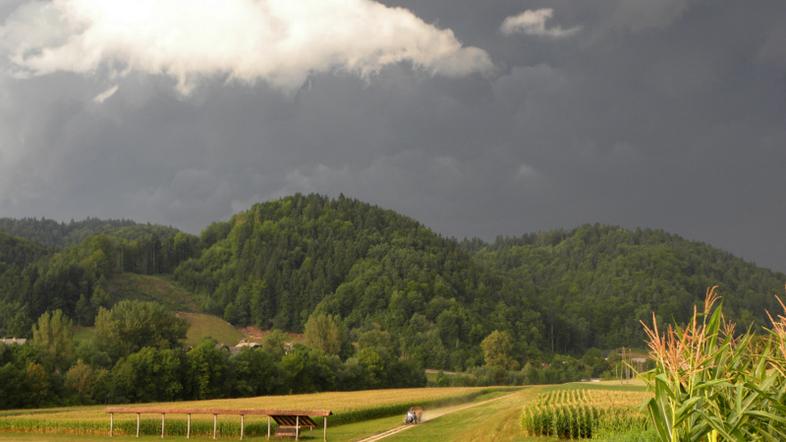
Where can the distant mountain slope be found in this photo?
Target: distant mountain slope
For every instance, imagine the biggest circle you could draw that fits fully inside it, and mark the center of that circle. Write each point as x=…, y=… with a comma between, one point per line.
x=59, y=234
x=594, y=283
x=18, y=251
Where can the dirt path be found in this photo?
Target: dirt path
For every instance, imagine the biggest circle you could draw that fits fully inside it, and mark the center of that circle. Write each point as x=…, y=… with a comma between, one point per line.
x=430, y=415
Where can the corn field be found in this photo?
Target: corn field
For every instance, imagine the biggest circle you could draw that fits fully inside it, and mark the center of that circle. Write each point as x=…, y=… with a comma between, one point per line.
x=581, y=413
x=713, y=383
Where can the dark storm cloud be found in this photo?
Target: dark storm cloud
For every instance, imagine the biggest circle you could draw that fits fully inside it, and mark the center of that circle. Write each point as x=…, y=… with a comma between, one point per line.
x=663, y=114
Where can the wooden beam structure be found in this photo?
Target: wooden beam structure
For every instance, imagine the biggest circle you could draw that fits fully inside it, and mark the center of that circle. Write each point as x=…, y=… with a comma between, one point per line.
x=220, y=411
x=288, y=422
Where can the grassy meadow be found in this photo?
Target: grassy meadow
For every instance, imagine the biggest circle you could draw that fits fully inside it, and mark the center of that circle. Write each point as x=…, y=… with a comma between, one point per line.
x=158, y=288
x=201, y=326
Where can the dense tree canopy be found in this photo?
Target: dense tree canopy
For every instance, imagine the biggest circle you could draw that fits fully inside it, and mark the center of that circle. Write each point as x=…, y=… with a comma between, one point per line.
x=378, y=294
x=34, y=279
x=276, y=263
x=132, y=325
x=59, y=234
x=593, y=284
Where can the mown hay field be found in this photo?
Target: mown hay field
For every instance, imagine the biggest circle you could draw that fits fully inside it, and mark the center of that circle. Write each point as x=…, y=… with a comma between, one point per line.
x=347, y=407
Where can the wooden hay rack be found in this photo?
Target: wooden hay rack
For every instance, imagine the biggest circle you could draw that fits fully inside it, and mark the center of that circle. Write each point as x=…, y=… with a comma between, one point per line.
x=289, y=423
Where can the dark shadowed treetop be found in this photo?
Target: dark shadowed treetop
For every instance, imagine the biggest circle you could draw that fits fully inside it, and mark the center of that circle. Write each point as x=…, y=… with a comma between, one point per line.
x=59, y=234
x=18, y=251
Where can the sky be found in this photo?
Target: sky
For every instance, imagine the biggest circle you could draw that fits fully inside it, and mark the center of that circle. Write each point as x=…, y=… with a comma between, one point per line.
x=477, y=118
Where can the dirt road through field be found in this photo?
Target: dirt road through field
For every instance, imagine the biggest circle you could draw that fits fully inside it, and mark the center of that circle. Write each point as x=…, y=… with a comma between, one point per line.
x=429, y=415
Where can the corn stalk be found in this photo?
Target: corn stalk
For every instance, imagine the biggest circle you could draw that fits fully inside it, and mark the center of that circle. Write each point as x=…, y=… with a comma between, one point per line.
x=710, y=384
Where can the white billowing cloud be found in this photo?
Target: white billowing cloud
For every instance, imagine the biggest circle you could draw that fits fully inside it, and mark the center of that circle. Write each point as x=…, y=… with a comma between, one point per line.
x=533, y=22
x=278, y=41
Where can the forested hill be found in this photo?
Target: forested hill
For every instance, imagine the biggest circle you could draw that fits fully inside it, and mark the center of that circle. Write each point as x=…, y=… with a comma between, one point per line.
x=275, y=263
x=593, y=284
x=18, y=251
x=427, y=298
x=74, y=279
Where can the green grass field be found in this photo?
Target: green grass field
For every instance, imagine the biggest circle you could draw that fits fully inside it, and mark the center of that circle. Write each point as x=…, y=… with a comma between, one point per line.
x=201, y=325
x=153, y=288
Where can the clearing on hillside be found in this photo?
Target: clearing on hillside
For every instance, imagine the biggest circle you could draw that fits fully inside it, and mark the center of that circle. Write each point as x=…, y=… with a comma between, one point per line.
x=201, y=325
x=152, y=288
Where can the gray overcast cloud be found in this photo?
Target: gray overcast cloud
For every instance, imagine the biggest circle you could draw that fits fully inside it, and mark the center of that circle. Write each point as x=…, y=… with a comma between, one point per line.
x=667, y=114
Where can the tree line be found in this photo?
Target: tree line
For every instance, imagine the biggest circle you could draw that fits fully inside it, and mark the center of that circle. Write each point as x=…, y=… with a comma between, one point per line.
x=136, y=354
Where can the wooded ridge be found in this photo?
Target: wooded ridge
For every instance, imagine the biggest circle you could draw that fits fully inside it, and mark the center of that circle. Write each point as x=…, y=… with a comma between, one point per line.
x=434, y=298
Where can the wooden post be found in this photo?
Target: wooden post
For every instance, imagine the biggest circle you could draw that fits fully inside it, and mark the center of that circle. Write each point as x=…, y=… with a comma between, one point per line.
x=268, y=427
x=324, y=429
x=215, y=422
x=242, y=423
x=188, y=427
x=137, y=425
x=162, y=425
x=111, y=423
x=297, y=427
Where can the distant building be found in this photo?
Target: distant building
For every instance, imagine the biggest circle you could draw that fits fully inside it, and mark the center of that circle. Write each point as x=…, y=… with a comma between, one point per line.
x=245, y=344
x=13, y=341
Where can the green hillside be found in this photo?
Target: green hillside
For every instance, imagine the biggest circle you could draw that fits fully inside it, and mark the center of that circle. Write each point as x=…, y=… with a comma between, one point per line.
x=558, y=291
x=593, y=284
x=430, y=298
x=201, y=325
x=77, y=279
x=15, y=251
x=377, y=296
x=276, y=263
x=159, y=288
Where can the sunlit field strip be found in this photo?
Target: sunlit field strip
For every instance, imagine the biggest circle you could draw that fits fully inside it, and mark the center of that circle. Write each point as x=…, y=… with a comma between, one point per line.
x=348, y=407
